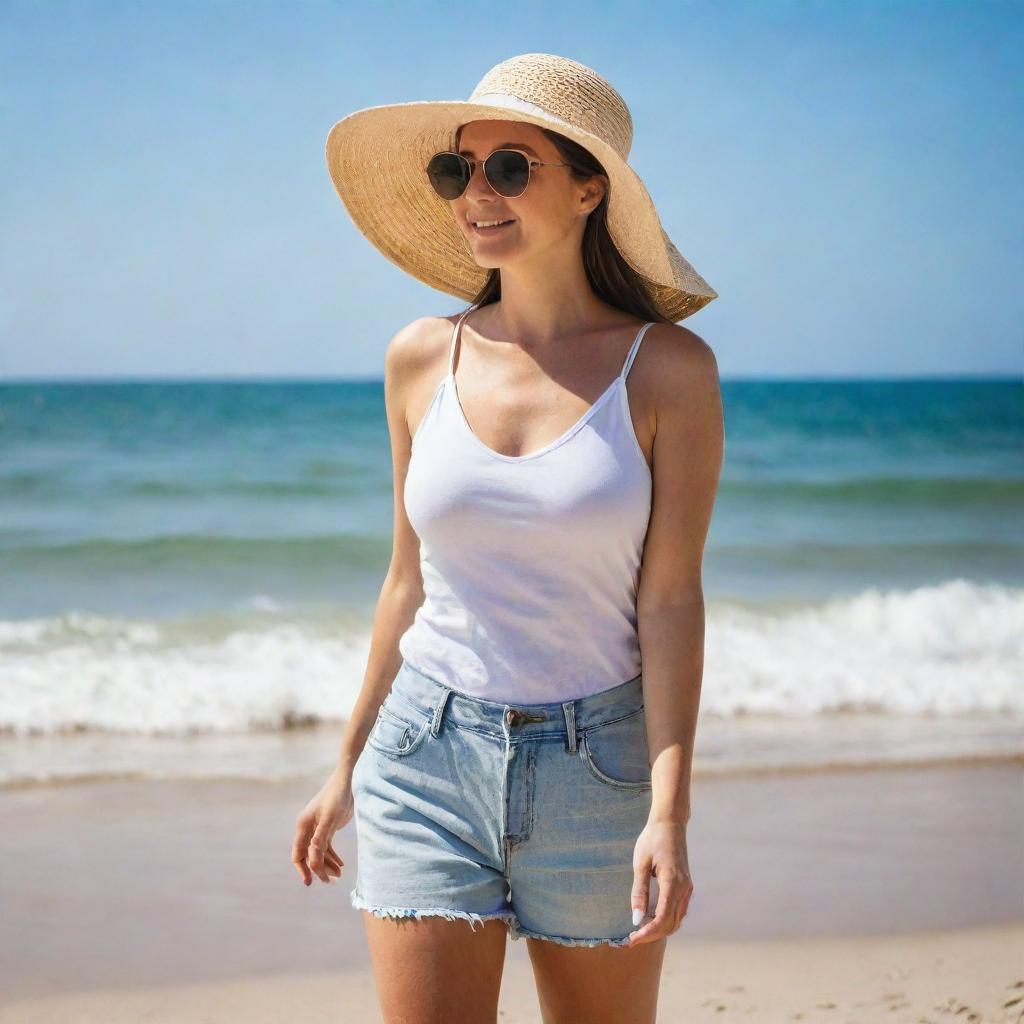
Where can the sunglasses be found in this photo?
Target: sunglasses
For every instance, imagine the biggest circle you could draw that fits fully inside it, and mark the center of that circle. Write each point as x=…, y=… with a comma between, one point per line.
x=507, y=171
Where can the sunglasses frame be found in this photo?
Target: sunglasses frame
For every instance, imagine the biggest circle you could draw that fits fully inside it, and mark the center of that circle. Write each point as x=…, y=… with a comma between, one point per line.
x=531, y=162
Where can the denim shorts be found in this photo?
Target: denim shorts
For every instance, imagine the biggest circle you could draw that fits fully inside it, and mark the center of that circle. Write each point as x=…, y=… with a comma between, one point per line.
x=474, y=809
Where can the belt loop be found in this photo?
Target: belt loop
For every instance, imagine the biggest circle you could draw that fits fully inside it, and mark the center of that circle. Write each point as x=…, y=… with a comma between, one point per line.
x=569, y=707
x=435, y=724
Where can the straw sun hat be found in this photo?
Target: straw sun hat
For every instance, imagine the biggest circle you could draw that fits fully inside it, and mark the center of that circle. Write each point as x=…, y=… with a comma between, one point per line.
x=377, y=158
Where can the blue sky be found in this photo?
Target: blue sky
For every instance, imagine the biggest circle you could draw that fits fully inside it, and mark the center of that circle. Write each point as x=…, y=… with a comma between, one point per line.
x=846, y=175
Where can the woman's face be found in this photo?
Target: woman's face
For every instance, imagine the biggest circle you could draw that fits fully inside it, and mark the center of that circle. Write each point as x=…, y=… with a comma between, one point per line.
x=550, y=214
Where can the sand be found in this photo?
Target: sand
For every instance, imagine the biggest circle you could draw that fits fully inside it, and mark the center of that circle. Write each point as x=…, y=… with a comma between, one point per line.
x=849, y=895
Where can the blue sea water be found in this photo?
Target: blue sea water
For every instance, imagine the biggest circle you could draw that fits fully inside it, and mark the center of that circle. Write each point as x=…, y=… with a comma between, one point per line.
x=180, y=558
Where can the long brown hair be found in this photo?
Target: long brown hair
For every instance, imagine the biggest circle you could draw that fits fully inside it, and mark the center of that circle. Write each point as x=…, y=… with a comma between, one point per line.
x=613, y=280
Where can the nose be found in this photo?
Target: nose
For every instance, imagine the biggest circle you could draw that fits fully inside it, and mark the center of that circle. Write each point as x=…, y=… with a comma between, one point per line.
x=478, y=184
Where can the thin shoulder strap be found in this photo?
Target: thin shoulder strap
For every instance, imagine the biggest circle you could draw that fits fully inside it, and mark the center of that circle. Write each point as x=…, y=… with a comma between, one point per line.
x=635, y=346
x=455, y=334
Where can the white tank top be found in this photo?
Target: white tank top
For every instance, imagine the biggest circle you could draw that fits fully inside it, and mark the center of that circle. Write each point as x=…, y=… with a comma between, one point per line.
x=530, y=562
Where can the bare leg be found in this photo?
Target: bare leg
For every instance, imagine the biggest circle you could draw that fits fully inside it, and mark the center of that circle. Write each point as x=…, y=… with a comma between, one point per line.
x=598, y=984
x=429, y=970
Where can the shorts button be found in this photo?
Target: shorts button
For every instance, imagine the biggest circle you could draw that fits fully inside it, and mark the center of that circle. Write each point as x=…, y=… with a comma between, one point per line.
x=512, y=716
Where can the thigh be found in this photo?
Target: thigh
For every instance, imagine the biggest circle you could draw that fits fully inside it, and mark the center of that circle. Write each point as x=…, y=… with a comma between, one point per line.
x=429, y=970
x=599, y=984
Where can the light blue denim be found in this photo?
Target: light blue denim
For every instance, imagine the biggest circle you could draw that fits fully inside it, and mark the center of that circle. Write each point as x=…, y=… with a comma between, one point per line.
x=475, y=809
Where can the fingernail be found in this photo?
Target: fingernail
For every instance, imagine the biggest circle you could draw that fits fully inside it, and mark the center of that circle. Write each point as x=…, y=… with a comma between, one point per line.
x=638, y=916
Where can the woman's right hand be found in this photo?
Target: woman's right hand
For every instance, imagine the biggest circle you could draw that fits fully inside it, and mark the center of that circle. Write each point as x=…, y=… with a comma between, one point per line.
x=313, y=852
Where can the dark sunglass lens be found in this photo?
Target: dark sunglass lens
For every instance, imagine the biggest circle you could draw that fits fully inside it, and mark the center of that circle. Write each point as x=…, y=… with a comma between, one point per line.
x=449, y=174
x=507, y=171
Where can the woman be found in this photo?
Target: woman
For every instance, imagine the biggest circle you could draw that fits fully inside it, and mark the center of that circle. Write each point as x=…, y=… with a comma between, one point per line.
x=507, y=764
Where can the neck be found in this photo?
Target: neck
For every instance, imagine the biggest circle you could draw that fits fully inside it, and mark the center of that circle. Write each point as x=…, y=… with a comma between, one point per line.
x=542, y=303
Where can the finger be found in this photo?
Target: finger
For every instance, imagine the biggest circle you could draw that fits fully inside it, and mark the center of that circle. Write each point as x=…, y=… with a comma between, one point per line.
x=299, y=853
x=315, y=855
x=639, y=897
x=332, y=864
x=684, y=901
x=303, y=869
x=334, y=853
x=664, y=915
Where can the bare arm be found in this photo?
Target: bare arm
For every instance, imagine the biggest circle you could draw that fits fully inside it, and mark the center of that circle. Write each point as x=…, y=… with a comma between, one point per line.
x=688, y=453
x=414, y=358
x=411, y=374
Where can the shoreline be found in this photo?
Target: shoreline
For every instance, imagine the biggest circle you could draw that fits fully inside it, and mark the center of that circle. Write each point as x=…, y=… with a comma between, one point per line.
x=731, y=772
x=745, y=746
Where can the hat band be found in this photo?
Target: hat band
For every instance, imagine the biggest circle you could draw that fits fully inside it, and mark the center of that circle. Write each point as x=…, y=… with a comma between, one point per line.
x=502, y=99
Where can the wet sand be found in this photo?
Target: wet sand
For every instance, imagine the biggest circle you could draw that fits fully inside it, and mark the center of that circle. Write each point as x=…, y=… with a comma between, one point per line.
x=894, y=894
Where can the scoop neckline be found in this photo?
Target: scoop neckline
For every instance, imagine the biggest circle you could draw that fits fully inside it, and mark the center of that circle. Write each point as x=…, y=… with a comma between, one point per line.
x=551, y=445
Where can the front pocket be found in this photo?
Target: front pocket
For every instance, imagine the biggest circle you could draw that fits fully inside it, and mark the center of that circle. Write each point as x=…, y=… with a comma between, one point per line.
x=616, y=753
x=395, y=734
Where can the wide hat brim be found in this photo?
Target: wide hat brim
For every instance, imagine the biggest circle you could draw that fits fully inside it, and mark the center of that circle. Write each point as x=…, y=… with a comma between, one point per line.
x=377, y=159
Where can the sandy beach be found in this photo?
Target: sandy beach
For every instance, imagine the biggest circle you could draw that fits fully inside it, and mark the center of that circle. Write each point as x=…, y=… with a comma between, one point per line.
x=849, y=895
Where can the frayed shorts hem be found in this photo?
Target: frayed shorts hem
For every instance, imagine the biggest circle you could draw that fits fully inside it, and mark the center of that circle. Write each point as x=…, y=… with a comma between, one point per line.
x=507, y=916
x=515, y=929
x=565, y=940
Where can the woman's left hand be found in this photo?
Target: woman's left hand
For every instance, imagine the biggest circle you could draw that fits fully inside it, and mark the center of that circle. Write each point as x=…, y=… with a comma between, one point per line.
x=661, y=850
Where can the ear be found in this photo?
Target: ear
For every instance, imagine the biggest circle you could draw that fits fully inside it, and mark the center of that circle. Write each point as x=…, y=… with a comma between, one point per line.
x=592, y=192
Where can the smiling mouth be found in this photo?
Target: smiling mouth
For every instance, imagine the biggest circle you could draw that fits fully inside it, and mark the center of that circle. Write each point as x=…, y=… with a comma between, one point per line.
x=490, y=227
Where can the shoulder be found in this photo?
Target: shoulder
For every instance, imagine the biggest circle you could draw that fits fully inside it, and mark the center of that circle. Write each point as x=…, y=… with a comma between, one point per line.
x=681, y=374
x=678, y=362
x=416, y=357
x=415, y=362
x=679, y=352
x=418, y=345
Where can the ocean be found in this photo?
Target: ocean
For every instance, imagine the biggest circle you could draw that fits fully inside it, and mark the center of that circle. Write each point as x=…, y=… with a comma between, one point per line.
x=188, y=574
